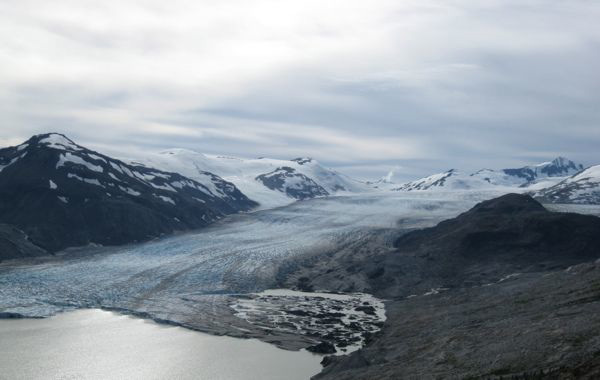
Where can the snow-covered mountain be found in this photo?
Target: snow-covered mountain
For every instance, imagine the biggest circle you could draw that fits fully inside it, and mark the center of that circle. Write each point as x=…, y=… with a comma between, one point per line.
x=296, y=185
x=450, y=180
x=532, y=177
x=559, y=167
x=270, y=182
x=62, y=194
x=582, y=188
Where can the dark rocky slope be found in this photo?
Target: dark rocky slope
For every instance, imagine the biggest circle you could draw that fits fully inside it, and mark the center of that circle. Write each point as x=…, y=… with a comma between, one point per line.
x=532, y=326
x=485, y=294
x=14, y=244
x=62, y=194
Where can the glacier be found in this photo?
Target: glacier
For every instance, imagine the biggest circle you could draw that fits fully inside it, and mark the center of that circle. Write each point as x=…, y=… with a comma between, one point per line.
x=188, y=279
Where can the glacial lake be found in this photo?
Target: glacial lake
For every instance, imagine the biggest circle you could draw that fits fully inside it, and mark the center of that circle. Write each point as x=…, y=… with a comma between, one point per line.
x=97, y=344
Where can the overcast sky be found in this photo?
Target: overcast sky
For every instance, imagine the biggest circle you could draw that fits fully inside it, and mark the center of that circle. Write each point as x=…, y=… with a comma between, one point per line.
x=363, y=86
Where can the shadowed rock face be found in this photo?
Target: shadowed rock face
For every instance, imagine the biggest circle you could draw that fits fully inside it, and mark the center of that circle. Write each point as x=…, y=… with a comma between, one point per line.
x=513, y=228
x=62, y=194
x=15, y=245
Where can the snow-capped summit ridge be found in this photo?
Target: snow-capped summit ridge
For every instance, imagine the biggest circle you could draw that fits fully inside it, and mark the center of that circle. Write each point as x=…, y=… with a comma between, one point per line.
x=89, y=193
x=54, y=140
x=271, y=182
x=533, y=177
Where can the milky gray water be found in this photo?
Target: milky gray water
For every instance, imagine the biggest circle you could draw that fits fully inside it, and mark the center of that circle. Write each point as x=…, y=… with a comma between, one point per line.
x=96, y=344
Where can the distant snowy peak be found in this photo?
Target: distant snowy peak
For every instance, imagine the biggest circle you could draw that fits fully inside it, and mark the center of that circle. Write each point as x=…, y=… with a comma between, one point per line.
x=302, y=160
x=532, y=177
x=581, y=188
x=55, y=141
x=331, y=180
x=436, y=180
x=295, y=185
x=559, y=167
x=264, y=180
x=450, y=180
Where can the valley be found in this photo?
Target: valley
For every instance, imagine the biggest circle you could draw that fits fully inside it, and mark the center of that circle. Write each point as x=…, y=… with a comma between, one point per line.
x=297, y=255
x=191, y=278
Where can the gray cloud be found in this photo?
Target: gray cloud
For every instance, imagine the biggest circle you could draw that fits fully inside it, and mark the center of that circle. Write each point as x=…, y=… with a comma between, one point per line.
x=415, y=86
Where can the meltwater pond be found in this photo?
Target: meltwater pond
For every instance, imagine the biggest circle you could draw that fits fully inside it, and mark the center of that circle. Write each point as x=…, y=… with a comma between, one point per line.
x=97, y=344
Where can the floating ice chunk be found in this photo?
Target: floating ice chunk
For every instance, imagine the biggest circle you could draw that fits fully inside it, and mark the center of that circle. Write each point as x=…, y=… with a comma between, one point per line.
x=63, y=199
x=53, y=185
x=291, y=311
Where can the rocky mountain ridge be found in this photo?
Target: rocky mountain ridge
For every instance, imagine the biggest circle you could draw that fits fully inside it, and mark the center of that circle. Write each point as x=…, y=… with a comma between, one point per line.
x=270, y=182
x=61, y=194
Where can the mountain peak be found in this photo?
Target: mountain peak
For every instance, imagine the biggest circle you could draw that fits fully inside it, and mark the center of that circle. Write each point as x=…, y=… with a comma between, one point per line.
x=509, y=204
x=565, y=162
x=302, y=160
x=560, y=166
x=54, y=140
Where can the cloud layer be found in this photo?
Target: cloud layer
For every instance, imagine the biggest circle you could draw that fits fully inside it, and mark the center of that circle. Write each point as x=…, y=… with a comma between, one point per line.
x=415, y=85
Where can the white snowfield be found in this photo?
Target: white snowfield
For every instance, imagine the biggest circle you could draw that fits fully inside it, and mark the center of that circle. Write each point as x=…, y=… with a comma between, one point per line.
x=591, y=174
x=243, y=172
